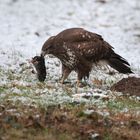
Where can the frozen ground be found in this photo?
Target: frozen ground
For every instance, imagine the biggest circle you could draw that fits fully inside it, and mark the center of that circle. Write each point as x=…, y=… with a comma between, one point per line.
x=26, y=24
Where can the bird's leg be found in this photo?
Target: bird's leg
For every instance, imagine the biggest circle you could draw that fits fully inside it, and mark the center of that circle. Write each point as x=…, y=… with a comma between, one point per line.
x=65, y=73
x=79, y=80
x=63, y=69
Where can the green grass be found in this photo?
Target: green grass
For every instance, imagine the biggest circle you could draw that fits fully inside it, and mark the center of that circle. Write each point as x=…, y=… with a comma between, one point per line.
x=121, y=103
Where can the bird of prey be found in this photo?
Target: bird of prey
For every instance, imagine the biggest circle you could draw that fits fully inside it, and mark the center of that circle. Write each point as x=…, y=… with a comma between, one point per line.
x=79, y=49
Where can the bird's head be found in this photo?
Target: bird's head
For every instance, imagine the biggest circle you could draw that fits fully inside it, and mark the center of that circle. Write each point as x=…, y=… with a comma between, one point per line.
x=48, y=47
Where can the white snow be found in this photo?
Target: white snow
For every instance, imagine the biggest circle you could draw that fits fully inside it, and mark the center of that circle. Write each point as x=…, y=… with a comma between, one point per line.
x=117, y=21
x=94, y=136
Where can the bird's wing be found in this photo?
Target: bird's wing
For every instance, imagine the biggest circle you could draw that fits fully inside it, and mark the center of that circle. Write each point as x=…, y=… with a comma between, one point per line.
x=76, y=35
x=91, y=50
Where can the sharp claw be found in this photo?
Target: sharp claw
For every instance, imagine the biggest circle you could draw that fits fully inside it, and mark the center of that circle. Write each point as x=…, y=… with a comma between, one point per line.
x=62, y=81
x=80, y=84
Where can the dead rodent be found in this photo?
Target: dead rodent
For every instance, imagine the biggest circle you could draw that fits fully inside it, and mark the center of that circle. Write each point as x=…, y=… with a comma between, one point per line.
x=39, y=64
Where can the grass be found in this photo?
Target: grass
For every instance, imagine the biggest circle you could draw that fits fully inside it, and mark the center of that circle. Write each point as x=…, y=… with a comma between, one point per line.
x=64, y=122
x=40, y=111
x=28, y=134
x=121, y=103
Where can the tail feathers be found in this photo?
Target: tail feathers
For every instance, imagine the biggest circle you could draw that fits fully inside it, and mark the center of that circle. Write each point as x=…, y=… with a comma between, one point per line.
x=120, y=64
x=120, y=58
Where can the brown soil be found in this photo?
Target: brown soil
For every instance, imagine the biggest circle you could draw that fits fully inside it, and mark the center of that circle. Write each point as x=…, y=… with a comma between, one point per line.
x=129, y=85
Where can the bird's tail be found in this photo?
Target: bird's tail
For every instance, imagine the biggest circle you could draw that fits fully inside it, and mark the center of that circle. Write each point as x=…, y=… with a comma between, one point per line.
x=119, y=63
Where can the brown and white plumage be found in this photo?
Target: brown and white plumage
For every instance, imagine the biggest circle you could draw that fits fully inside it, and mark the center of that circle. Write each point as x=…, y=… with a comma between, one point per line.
x=79, y=49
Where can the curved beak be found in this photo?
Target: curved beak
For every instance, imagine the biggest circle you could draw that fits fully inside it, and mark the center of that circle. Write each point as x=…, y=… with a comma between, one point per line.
x=43, y=53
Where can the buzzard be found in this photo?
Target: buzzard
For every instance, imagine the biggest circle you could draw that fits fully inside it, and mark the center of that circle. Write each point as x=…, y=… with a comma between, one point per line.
x=79, y=49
